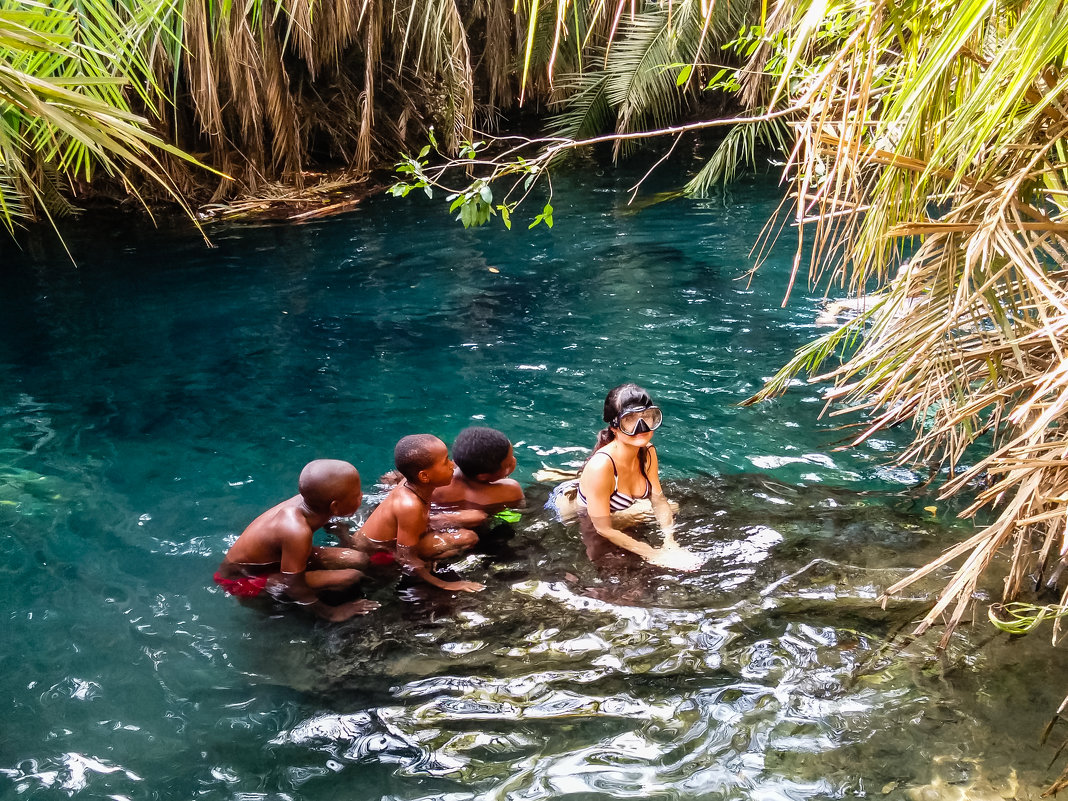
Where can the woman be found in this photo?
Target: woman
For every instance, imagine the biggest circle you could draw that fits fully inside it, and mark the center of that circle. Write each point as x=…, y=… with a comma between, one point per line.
x=624, y=470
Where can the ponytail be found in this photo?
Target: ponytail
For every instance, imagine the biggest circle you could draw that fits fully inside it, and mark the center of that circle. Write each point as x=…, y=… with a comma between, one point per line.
x=604, y=436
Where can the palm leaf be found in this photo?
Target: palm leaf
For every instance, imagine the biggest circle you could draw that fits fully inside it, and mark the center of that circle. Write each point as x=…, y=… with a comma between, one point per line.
x=63, y=108
x=737, y=151
x=938, y=128
x=588, y=110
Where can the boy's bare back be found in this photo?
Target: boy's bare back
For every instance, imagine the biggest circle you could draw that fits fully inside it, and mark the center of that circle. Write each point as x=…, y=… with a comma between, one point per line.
x=402, y=518
x=280, y=536
x=465, y=491
x=275, y=553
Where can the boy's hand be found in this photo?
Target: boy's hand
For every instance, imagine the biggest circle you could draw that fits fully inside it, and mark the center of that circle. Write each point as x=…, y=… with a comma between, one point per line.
x=463, y=586
x=351, y=609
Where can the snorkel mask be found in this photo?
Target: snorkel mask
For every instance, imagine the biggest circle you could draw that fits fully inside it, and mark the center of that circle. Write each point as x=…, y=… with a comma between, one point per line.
x=638, y=420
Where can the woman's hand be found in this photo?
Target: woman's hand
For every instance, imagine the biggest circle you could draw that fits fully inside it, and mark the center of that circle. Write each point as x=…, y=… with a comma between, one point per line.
x=675, y=557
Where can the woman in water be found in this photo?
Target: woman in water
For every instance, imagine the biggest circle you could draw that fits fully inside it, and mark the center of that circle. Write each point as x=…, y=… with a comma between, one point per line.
x=623, y=470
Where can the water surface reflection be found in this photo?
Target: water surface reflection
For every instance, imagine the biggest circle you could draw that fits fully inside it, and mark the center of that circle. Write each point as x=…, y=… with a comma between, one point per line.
x=158, y=396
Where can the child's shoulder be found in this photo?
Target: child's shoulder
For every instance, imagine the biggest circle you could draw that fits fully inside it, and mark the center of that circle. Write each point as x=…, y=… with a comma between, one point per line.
x=404, y=501
x=456, y=491
x=503, y=490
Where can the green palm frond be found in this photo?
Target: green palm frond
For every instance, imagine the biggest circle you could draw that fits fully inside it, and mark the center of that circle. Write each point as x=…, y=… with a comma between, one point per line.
x=629, y=59
x=641, y=85
x=63, y=106
x=587, y=109
x=737, y=151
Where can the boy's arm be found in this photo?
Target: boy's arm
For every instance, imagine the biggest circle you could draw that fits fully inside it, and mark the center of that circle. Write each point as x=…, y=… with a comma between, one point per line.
x=502, y=492
x=458, y=518
x=296, y=548
x=510, y=491
x=411, y=525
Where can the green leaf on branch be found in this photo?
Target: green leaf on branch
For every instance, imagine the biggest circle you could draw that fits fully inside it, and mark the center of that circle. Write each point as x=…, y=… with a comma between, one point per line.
x=474, y=211
x=546, y=217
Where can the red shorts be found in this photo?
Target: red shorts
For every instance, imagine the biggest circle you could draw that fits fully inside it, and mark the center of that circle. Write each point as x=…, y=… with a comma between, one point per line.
x=382, y=558
x=242, y=586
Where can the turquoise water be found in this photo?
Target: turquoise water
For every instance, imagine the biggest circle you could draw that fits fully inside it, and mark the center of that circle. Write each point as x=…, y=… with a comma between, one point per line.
x=158, y=395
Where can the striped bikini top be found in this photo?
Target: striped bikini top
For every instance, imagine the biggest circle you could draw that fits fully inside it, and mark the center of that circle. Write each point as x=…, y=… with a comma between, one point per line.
x=618, y=501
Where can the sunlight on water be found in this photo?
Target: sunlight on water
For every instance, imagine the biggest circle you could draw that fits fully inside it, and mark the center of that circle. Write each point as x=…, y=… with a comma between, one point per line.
x=159, y=395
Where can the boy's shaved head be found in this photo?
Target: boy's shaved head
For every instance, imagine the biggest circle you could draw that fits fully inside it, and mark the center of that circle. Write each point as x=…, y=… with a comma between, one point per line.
x=478, y=450
x=327, y=480
x=416, y=452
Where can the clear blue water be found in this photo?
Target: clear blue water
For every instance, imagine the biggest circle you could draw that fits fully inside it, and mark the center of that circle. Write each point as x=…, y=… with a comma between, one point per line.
x=158, y=395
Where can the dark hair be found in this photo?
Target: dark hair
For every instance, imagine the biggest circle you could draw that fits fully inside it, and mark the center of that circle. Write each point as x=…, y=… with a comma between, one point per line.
x=479, y=450
x=324, y=481
x=625, y=396
x=414, y=453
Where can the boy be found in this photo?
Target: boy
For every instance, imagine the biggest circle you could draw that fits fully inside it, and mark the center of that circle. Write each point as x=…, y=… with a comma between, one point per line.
x=401, y=520
x=484, y=458
x=274, y=553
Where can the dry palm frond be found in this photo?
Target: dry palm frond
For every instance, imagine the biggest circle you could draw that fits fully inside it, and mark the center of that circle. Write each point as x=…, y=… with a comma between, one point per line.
x=326, y=197
x=946, y=141
x=498, y=49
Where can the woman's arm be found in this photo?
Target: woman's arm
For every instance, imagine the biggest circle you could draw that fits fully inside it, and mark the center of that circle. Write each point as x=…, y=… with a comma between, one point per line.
x=597, y=482
x=661, y=508
x=670, y=553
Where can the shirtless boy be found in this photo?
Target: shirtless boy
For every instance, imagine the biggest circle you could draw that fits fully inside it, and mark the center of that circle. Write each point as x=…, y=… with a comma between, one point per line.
x=484, y=458
x=401, y=520
x=275, y=553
